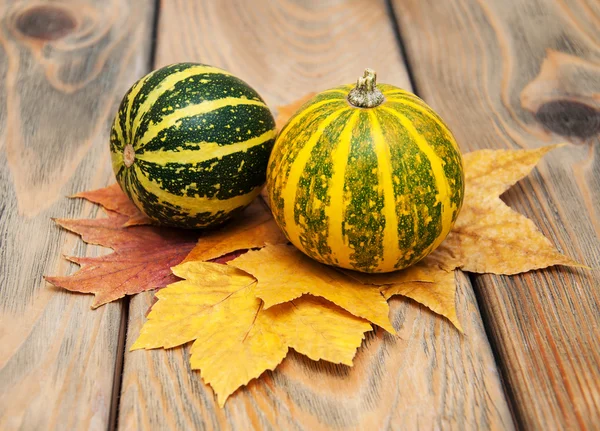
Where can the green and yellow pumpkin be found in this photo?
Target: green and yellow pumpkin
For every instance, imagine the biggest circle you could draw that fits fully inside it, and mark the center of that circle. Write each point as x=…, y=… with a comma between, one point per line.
x=366, y=177
x=190, y=145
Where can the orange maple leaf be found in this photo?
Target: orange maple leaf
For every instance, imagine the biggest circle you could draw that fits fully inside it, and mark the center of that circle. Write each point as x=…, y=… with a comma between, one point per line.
x=112, y=198
x=156, y=248
x=141, y=259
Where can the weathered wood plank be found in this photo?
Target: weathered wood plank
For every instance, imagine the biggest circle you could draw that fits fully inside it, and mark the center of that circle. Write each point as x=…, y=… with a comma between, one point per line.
x=427, y=376
x=523, y=73
x=63, y=68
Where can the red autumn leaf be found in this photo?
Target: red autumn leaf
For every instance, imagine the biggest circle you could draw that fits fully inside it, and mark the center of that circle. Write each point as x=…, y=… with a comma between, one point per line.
x=142, y=257
x=113, y=199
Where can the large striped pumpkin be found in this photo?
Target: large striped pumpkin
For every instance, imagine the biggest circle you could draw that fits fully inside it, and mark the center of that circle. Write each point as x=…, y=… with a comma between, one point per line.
x=190, y=145
x=366, y=178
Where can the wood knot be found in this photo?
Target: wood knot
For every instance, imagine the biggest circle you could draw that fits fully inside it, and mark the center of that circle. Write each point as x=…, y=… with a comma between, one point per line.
x=45, y=22
x=569, y=118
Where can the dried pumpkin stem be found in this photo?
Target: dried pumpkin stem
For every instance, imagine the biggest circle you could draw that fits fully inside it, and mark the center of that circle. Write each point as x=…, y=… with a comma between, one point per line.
x=366, y=94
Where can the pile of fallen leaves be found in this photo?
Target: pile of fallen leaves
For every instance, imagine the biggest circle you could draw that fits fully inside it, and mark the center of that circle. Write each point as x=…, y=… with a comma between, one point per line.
x=242, y=294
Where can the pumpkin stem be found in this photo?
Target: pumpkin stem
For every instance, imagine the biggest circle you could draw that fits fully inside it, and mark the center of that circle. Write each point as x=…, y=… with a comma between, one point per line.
x=366, y=94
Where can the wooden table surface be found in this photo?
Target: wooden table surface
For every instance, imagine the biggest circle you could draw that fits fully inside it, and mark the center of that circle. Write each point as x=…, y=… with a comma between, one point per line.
x=503, y=73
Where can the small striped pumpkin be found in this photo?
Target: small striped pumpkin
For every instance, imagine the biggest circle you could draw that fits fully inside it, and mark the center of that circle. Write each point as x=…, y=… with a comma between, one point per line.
x=366, y=178
x=190, y=145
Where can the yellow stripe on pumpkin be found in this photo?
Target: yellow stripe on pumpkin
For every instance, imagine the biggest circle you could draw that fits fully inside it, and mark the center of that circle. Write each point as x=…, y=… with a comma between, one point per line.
x=116, y=159
x=302, y=116
x=297, y=168
x=289, y=126
x=389, y=94
x=193, y=205
x=135, y=90
x=424, y=109
x=204, y=151
x=336, y=210
x=131, y=185
x=386, y=187
x=119, y=132
x=189, y=111
x=165, y=85
x=437, y=167
x=340, y=91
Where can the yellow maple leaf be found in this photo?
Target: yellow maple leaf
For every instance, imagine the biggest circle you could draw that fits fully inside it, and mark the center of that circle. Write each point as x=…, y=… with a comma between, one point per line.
x=254, y=228
x=438, y=295
x=284, y=274
x=424, y=282
x=488, y=236
x=236, y=338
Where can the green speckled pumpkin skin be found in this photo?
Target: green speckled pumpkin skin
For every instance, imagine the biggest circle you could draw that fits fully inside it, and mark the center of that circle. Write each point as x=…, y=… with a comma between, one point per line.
x=190, y=145
x=370, y=189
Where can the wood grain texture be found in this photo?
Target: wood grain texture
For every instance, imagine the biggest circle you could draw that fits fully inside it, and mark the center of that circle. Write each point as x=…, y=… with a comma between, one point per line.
x=283, y=48
x=428, y=376
x=63, y=68
x=519, y=74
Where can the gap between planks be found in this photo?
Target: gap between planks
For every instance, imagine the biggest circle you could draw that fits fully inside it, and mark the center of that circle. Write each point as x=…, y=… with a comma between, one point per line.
x=486, y=319
x=484, y=315
x=113, y=418
x=391, y=12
